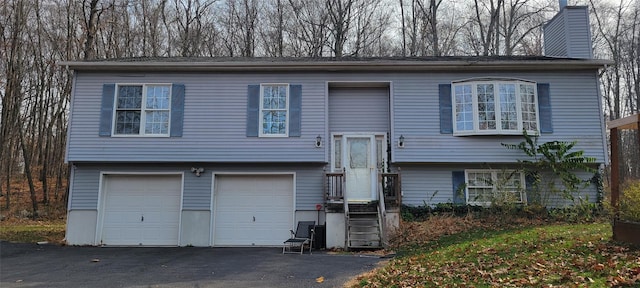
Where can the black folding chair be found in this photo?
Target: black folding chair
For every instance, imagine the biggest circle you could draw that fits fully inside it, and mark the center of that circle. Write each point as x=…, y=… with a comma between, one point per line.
x=302, y=236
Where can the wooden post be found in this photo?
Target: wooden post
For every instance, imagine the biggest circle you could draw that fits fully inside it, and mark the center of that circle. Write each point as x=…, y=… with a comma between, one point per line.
x=638, y=134
x=615, y=173
x=622, y=230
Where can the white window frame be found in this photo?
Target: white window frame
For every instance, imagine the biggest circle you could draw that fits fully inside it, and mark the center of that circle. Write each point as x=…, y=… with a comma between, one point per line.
x=337, y=152
x=494, y=179
x=497, y=109
x=262, y=110
x=143, y=109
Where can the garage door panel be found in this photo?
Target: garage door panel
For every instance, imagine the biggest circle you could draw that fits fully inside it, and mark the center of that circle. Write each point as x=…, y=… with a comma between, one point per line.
x=253, y=210
x=141, y=210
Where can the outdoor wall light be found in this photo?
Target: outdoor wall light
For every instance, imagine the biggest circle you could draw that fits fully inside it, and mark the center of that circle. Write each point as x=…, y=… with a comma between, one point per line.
x=401, y=141
x=318, y=141
x=197, y=171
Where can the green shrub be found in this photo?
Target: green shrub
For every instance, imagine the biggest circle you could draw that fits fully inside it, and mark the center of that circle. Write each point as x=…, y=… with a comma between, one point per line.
x=423, y=212
x=552, y=163
x=630, y=201
x=581, y=212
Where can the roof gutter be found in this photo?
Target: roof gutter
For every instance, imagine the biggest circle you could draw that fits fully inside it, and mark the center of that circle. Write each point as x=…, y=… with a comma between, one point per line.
x=360, y=66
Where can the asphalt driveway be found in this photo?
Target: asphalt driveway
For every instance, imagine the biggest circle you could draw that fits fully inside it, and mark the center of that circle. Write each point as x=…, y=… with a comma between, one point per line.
x=30, y=265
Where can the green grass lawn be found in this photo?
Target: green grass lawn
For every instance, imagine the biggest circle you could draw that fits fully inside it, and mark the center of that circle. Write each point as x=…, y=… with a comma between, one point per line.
x=579, y=255
x=32, y=232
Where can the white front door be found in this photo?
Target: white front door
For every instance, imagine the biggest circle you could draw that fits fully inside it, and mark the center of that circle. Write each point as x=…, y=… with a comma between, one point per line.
x=359, y=163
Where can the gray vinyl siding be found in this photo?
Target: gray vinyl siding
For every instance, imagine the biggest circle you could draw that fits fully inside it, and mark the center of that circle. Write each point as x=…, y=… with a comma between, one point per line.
x=575, y=111
x=197, y=190
x=568, y=34
x=426, y=185
x=196, y=193
x=579, y=36
x=358, y=109
x=588, y=193
x=215, y=112
x=555, y=43
x=86, y=183
x=432, y=184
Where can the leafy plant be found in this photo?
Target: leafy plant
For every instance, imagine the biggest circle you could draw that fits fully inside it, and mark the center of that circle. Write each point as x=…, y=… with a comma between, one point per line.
x=630, y=201
x=551, y=163
x=507, y=194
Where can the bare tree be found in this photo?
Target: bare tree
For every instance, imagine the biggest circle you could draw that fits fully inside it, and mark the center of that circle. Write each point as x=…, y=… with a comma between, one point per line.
x=14, y=23
x=483, y=30
x=521, y=19
x=91, y=19
x=309, y=33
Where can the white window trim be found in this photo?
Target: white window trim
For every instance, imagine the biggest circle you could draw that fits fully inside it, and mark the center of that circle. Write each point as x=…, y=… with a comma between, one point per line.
x=340, y=136
x=143, y=116
x=261, y=109
x=476, y=121
x=494, y=178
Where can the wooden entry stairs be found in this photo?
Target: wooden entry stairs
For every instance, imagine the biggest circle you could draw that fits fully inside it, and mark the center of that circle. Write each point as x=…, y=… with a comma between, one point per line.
x=364, y=222
x=363, y=229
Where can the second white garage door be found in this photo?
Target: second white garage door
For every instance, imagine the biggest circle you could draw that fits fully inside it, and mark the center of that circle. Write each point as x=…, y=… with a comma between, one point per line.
x=252, y=210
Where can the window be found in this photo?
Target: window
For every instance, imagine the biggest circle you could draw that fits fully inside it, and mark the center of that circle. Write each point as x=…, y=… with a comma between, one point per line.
x=486, y=186
x=274, y=108
x=142, y=110
x=337, y=152
x=494, y=107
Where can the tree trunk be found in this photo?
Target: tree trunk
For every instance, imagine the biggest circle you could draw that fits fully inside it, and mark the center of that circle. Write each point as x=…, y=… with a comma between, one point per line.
x=90, y=24
x=27, y=172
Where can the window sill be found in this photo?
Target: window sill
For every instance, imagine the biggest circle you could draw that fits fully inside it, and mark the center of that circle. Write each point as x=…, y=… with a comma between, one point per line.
x=140, y=136
x=494, y=133
x=273, y=136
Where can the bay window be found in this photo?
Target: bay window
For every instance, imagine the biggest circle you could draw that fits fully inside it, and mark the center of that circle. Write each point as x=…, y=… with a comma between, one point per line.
x=494, y=107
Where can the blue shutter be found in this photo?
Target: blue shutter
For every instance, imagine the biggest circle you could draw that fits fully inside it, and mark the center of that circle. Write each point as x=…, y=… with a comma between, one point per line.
x=177, y=110
x=106, y=112
x=457, y=178
x=253, y=109
x=295, y=107
x=530, y=183
x=446, y=117
x=544, y=108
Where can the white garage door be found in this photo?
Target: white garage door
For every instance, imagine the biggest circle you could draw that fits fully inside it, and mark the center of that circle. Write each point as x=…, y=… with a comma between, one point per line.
x=253, y=210
x=141, y=210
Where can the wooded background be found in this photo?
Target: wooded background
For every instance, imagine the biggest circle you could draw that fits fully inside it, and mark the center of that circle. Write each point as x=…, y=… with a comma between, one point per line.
x=36, y=35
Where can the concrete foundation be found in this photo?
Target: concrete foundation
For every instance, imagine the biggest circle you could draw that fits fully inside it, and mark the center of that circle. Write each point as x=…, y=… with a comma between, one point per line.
x=81, y=227
x=195, y=228
x=335, y=230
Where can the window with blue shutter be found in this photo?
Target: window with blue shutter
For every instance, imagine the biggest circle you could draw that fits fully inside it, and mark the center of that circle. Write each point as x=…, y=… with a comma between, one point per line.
x=142, y=109
x=274, y=110
x=494, y=107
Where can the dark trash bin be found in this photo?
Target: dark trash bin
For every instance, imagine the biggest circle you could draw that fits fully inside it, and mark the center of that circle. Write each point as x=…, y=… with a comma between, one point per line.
x=319, y=239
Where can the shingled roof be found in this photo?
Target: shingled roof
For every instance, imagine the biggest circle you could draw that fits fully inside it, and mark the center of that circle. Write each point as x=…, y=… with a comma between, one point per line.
x=336, y=63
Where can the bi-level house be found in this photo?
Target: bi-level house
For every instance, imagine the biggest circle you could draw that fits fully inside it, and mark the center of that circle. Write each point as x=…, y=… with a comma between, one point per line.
x=234, y=152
